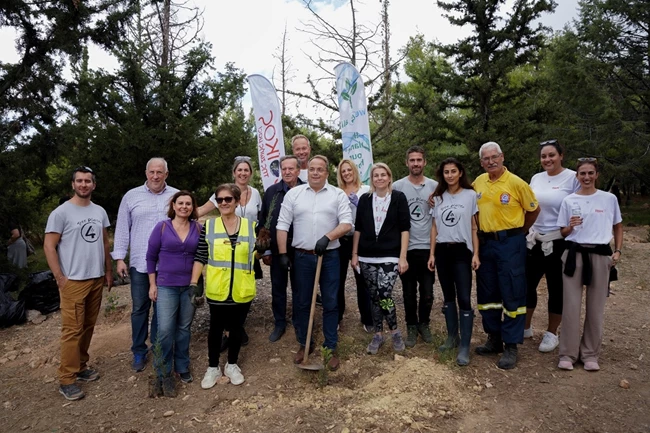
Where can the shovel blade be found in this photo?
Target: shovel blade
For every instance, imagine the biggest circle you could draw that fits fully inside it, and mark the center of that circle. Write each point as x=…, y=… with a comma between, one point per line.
x=311, y=367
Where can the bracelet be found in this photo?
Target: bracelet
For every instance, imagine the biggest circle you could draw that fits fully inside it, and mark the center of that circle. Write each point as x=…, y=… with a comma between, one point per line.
x=618, y=251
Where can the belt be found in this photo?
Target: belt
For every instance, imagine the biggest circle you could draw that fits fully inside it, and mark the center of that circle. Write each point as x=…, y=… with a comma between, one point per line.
x=312, y=252
x=502, y=234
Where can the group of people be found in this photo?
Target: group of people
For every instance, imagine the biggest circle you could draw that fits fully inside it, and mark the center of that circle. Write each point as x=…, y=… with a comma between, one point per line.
x=509, y=232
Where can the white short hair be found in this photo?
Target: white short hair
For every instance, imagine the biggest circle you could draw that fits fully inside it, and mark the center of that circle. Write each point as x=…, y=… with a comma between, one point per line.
x=157, y=159
x=489, y=145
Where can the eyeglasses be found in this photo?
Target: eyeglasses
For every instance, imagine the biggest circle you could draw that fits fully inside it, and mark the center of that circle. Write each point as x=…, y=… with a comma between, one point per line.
x=242, y=158
x=84, y=169
x=491, y=158
x=588, y=159
x=548, y=142
x=228, y=199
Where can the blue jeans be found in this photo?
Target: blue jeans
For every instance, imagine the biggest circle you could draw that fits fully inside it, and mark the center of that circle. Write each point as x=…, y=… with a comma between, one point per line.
x=140, y=313
x=175, y=314
x=305, y=265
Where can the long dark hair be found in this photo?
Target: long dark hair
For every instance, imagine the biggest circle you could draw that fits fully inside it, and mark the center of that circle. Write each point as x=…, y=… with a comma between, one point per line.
x=463, y=182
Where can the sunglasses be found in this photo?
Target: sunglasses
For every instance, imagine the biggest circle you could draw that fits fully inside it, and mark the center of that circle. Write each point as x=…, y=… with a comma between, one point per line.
x=228, y=199
x=242, y=158
x=547, y=142
x=588, y=159
x=83, y=168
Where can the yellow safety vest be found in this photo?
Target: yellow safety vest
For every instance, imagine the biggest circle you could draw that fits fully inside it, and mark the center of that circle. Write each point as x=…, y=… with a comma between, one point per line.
x=220, y=265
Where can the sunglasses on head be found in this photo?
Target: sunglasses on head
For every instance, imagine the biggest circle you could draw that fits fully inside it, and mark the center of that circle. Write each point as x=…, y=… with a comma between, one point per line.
x=228, y=199
x=548, y=142
x=242, y=158
x=84, y=169
x=588, y=159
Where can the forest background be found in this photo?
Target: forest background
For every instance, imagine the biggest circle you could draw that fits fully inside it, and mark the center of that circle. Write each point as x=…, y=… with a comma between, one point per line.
x=510, y=80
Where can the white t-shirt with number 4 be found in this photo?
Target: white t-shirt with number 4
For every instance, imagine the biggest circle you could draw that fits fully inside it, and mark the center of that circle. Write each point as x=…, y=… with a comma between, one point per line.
x=453, y=215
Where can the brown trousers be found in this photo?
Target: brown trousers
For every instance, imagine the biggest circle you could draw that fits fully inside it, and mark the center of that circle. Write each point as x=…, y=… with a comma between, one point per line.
x=80, y=303
x=572, y=347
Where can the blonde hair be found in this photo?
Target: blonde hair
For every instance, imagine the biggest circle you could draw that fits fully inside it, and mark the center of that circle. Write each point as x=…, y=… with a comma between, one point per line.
x=390, y=175
x=356, y=179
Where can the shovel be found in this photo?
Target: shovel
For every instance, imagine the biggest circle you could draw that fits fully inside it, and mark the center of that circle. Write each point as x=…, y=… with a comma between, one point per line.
x=303, y=364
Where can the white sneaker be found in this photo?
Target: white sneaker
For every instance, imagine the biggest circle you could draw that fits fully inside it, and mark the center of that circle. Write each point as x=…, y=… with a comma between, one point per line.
x=233, y=372
x=528, y=333
x=549, y=342
x=211, y=376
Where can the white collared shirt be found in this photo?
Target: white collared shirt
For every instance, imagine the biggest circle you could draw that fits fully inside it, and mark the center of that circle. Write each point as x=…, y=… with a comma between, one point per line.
x=313, y=214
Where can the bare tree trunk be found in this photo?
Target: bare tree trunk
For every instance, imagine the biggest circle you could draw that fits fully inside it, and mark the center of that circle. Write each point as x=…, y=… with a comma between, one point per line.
x=385, y=45
x=353, y=60
x=165, y=33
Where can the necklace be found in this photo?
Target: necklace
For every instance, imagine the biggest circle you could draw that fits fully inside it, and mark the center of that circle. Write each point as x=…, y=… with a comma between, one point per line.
x=247, y=195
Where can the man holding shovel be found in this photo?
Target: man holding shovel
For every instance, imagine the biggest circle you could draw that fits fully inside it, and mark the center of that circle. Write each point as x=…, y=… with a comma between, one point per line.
x=320, y=215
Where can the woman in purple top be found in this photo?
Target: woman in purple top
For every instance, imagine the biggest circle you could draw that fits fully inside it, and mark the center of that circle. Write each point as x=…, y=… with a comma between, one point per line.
x=170, y=258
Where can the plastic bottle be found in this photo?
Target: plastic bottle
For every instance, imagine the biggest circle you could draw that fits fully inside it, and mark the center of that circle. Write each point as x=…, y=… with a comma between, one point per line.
x=576, y=211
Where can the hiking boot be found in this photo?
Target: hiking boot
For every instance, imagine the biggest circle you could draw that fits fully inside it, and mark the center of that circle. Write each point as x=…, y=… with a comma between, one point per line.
x=549, y=342
x=139, y=362
x=233, y=372
x=425, y=332
x=451, y=320
x=169, y=386
x=493, y=345
x=88, y=375
x=375, y=344
x=186, y=377
x=411, y=335
x=211, y=376
x=466, y=325
x=71, y=392
x=509, y=358
x=398, y=341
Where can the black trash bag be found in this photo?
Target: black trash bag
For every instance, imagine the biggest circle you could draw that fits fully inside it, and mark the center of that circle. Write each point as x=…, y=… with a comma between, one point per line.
x=12, y=312
x=9, y=283
x=41, y=293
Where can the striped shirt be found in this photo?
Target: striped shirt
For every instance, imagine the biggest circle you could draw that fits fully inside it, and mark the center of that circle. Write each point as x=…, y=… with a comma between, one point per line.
x=140, y=210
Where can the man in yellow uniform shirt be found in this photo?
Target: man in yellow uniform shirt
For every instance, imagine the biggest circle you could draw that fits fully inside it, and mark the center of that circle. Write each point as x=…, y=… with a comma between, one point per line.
x=507, y=208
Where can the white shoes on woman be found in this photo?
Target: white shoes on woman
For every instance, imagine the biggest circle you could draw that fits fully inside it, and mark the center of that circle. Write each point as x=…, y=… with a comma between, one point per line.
x=212, y=375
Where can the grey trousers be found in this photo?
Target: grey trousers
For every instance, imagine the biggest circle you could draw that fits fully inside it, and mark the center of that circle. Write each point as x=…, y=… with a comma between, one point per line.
x=572, y=347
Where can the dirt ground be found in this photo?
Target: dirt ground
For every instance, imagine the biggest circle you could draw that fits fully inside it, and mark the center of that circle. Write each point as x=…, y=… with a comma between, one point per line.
x=417, y=392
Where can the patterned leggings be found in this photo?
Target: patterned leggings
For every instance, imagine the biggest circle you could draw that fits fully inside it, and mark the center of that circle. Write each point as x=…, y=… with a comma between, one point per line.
x=380, y=279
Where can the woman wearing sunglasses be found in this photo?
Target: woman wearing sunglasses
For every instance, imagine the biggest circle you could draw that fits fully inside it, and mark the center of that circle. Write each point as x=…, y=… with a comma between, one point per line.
x=226, y=246
x=249, y=207
x=588, y=219
x=545, y=242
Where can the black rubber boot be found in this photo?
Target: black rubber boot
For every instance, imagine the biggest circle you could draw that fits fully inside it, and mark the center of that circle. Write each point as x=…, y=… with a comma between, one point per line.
x=466, y=325
x=451, y=319
x=509, y=358
x=492, y=346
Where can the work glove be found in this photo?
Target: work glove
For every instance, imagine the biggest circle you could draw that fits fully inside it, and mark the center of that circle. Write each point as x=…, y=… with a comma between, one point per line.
x=354, y=199
x=284, y=261
x=321, y=245
x=196, y=298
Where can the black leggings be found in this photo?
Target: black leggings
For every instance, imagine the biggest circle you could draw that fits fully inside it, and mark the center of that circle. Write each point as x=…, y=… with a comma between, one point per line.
x=537, y=265
x=454, y=266
x=224, y=316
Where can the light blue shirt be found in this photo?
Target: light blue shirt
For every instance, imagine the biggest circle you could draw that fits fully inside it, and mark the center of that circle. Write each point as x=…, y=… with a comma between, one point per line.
x=140, y=210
